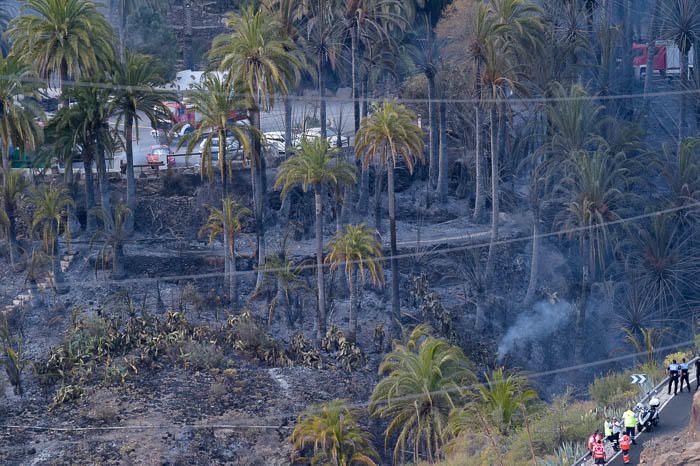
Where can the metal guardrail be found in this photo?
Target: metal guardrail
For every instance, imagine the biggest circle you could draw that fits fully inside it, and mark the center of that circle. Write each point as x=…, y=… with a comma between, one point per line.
x=648, y=394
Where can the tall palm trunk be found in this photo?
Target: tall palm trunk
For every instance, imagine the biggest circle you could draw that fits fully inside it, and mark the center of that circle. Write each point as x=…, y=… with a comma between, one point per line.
x=432, y=135
x=233, y=283
x=355, y=90
x=319, y=264
x=59, y=281
x=684, y=99
x=494, y=189
x=322, y=96
x=581, y=316
x=395, y=301
x=257, y=178
x=353, y=311
x=104, y=181
x=535, y=260
x=443, y=176
x=480, y=195
x=12, y=247
x=378, y=185
x=651, y=48
x=287, y=127
x=5, y=147
x=187, y=37
x=90, y=222
x=118, y=258
x=130, y=179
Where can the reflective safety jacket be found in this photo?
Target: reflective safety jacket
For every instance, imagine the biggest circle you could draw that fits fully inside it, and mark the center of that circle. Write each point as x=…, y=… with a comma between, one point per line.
x=630, y=418
x=598, y=451
x=608, y=429
x=625, y=442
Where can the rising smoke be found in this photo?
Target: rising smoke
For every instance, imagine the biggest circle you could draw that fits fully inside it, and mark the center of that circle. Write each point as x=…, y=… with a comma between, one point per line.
x=544, y=319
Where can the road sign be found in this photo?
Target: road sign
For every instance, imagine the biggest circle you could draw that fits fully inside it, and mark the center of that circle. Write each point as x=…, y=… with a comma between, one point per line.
x=638, y=378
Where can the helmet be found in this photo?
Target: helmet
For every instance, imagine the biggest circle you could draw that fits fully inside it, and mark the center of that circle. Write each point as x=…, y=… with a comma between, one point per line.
x=654, y=402
x=639, y=406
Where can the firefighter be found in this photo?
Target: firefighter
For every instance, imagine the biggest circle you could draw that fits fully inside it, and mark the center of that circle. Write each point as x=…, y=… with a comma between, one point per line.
x=598, y=453
x=685, y=368
x=625, y=447
x=673, y=377
x=630, y=420
x=607, y=430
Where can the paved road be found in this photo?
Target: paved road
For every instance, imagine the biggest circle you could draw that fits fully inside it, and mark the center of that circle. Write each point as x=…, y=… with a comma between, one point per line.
x=673, y=418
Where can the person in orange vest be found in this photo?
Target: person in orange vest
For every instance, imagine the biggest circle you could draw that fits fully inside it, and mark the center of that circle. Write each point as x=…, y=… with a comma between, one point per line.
x=598, y=453
x=592, y=440
x=625, y=447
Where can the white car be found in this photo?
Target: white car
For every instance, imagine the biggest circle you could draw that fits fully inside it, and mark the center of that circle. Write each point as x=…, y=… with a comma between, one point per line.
x=232, y=145
x=332, y=136
x=275, y=141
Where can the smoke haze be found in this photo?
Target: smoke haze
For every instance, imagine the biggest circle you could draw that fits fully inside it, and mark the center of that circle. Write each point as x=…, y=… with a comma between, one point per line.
x=544, y=319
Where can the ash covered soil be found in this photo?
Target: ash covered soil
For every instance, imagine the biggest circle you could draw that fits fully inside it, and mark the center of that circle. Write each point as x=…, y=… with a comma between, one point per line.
x=236, y=404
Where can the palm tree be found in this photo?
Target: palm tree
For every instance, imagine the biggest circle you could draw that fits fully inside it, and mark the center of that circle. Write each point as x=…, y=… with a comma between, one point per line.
x=51, y=206
x=323, y=45
x=112, y=233
x=316, y=166
x=214, y=100
x=423, y=384
x=682, y=176
x=289, y=15
x=664, y=260
x=17, y=122
x=483, y=33
x=134, y=79
x=502, y=396
x=84, y=127
x=226, y=222
x=12, y=189
x=427, y=59
x=357, y=250
x=63, y=39
x=368, y=22
x=333, y=432
x=681, y=23
x=259, y=62
x=594, y=191
x=389, y=135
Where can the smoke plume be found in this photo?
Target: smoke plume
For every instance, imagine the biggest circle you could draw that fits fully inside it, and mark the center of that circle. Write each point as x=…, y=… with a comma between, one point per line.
x=544, y=319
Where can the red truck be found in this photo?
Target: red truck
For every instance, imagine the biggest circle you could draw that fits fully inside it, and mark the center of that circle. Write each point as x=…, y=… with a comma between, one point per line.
x=667, y=59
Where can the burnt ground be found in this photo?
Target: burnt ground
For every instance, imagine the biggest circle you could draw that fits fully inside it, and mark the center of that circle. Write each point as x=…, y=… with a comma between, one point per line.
x=161, y=416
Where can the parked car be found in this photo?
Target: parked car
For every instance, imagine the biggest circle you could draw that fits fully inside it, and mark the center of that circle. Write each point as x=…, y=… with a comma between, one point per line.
x=232, y=145
x=160, y=154
x=332, y=136
x=274, y=140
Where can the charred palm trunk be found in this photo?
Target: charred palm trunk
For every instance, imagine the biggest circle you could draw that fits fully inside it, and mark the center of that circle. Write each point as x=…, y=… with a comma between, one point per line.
x=684, y=99
x=443, y=176
x=395, y=300
x=355, y=90
x=378, y=187
x=480, y=195
x=354, y=309
x=494, y=191
x=322, y=94
x=118, y=258
x=257, y=165
x=535, y=260
x=433, y=133
x=104, y=181
x=91, y=222
x=319, y=264
x=651, y=49
x=130, y=178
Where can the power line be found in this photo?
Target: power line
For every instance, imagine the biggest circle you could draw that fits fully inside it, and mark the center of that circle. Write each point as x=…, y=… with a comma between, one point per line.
x=350, y=100
x=433, y=252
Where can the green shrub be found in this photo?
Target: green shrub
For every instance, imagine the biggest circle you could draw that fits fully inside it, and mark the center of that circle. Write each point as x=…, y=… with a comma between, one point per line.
x=614, y=390
x=678, y=356
x=201, y=355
